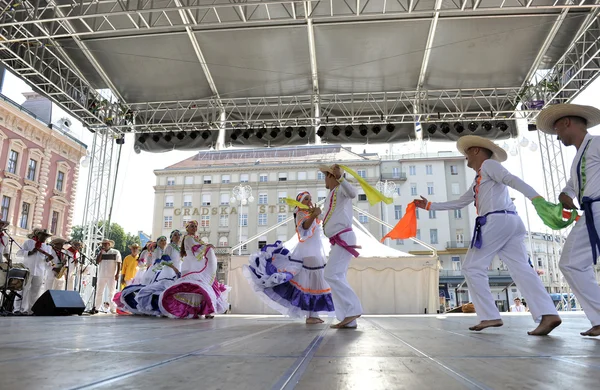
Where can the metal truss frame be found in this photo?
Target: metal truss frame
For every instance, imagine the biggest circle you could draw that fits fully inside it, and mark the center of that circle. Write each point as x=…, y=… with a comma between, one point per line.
x=137, y=17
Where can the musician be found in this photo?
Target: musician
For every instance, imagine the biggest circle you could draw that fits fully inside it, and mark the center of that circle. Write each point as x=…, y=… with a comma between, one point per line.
x=37, y=257
x=61, y=262
x=74, y=257
x=109, y=264
x=4, y=247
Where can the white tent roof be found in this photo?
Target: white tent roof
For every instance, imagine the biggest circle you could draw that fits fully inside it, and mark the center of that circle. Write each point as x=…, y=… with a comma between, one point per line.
x=371, y=248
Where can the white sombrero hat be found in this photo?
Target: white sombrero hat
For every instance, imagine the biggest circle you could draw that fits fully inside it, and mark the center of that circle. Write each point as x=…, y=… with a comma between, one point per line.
x=469, y=141
x=548, y=116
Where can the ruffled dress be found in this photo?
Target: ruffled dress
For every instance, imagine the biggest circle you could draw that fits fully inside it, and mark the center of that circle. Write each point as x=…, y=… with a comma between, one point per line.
x=293, y=283
x=197, y=292
x=143, y=278
x=137, y=279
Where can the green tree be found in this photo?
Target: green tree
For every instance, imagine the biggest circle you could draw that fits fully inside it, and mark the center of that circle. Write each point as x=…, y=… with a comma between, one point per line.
x=114, y=232
x=77, y=233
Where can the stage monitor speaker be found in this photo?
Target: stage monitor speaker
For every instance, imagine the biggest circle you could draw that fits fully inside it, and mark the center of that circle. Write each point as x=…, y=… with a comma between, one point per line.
x=58, y=303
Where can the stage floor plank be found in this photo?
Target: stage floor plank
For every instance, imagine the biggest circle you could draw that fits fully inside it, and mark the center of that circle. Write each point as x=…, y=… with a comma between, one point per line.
x=271, y=352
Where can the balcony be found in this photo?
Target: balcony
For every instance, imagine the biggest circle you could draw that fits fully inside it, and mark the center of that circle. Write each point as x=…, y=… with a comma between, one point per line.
x=394, y=176
x=457, y=244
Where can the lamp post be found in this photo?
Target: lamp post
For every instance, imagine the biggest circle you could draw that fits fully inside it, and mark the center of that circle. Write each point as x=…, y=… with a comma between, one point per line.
x=243, y=194
x=388, y=189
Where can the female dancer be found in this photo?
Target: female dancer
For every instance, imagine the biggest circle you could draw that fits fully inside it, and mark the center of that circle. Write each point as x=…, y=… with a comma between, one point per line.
x=294, y=285
x=165, y=270
x=197, y=292
x=144, y=276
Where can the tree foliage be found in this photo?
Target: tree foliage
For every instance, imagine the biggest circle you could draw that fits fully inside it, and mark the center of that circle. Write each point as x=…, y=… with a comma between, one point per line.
x=114, y=232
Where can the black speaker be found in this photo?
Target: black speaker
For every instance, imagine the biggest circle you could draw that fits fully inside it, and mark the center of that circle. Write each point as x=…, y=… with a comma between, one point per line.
x=58, y=303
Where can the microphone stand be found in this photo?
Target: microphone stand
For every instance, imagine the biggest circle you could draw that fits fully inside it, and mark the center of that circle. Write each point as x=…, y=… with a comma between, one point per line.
x=94, y=286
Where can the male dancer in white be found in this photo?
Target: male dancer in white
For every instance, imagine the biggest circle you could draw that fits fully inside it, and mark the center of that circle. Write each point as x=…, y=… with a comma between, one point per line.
x=580, y=252
x=498, y=231
x=337, y=226
x=109, y=263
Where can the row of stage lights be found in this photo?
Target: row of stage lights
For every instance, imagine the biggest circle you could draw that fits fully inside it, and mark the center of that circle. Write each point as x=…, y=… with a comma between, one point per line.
x=303, y=132
x=170, y=135
x=459, y=127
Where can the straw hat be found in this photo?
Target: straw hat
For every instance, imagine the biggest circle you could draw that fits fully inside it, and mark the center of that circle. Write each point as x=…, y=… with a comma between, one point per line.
x=469, y=141
x=4, y=223
x=39, y=231
x=107, y=241
x=57, y=241
x=548, y=116
x=327, y=169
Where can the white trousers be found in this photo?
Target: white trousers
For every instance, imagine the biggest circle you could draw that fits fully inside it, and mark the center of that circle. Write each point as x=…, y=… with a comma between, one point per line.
x=345, y=300
x=34, y=288
x=503, y=235
x=577, y=265
x=111, y=284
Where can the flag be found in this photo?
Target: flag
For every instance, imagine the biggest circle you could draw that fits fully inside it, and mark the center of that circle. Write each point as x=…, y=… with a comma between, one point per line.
x=406, y=227
x=373, y=196
x=144, y=238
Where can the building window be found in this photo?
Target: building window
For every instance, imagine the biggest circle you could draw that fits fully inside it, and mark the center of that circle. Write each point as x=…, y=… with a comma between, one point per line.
x=189, y=180
x=362, y=173
x=224, y=199
x=205, y=221
x=429, y=188
x=282, y=176
x=320, y=176
x=261, y=244
x=397, y=212
x=413, y=189
x=263, y=178
x=412, y=170
x=225, y=179
x=54, y=223
x=429, y=169
x=243, y=219
x=321, y=195
x=170, y=181
x=418, y=235
x=433, y=236
x=396, y=173
x=4, y=210
x=168, y=222
x=455, y=189
x=362, y=197
x=398, y=191
x=205, y=199
x=13, y=158
x=262, y=198
x=60, y=179
x=186, y=219
x=223, y=242
x=460, y=236
x=224, y=220
x=431, y=214
x=458, y=214
x=453, y=170
x=417, y=213
x=262, y=219
x=301, y=175
x=207, y=179
x=281, y=217
x=244, y=178
x=31, y=169
x=540, y=262
x=24, y=222
x=399, y=242
x=187, y=200
x=169, y=200
x=281, y=197
x=362, y=218
x=243, y=240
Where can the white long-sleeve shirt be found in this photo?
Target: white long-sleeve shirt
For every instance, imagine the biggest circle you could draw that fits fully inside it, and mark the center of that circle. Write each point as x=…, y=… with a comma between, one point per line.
x=337, y=211
x=37, y=262
x=592, y=170
x=490, y=191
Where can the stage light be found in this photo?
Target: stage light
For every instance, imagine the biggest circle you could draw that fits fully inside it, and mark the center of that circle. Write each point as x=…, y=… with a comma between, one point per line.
x=260, y=133
x=473, y=126
x=487, y=126
x=501, y=126
x=156, y=137
x=288, y=132
x=235, y=134
x=169, y=136
x=246, y=134
x=142, y=138
x=445, y=127
x=431, y=128
x=390, y=127
x=363, y=130
x=205, y=134
x=348, y=130
x=459, y=127
x=120, y=140
x=321, y=131
x=180, y=135
x=194, y=134
x=336, y=131
x=274, y=132
x=376, y=129
x=302, y=132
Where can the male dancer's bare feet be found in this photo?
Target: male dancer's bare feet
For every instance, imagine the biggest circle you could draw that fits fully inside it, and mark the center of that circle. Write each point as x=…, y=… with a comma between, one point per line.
x=593, y=331
x=487, y=324
x=314, y=320
x=344, y=322
x=548, y=323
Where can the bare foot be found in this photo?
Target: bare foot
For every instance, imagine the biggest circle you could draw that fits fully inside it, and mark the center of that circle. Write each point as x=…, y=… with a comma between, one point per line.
x=593, y=331
x=487, y=324
x=548, y=323
x=344, y=322
x=314, y=320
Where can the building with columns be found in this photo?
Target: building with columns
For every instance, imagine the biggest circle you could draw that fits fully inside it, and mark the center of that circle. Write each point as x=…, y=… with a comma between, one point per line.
x=39, y=168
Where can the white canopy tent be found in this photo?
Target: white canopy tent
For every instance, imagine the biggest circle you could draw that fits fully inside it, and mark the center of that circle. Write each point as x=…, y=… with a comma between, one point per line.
x=386, y=280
